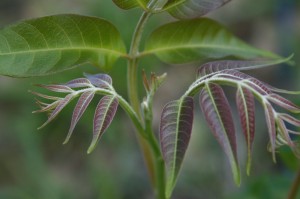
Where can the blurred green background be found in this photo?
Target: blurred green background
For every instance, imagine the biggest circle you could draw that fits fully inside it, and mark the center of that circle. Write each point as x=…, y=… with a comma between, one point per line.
x=35, y=165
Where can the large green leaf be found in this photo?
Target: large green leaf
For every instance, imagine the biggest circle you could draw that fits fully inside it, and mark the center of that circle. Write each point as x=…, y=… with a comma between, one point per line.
x=128, y=4
x=185, y=9
x=196, y=39
x=55, y=43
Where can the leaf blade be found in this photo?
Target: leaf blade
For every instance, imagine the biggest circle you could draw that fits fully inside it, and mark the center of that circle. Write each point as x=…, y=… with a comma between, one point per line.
x=79, y=109
x=270, y=119
x=216, y=66
x=246, y=110
x=175, y=131
x=99, y=80
x=56, y=43
x=104, y=115
x=126, y=4
x=217, y=112
x=186, y=9
x=59, y=106
x=192, y=40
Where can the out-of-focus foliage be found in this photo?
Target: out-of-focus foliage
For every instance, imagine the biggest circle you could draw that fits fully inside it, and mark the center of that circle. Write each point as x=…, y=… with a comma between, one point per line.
x=34, y=164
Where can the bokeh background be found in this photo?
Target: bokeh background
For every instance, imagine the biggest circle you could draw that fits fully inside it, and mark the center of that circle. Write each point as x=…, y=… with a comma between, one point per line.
x=35, y=165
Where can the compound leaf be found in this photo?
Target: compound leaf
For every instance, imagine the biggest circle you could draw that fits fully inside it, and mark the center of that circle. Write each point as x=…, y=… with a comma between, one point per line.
x=104, y=115
x=55, y=43
x=217, y=112
x=197, y=39
x=175, y=130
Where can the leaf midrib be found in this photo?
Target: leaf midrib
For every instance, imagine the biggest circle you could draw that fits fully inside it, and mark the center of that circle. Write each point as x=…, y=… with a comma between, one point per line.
x=178, y=47
x=64, y=49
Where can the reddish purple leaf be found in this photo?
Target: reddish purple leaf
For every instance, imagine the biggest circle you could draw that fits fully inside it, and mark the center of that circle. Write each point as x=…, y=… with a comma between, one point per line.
x=218, y=115
x=216, y=66
x=254, y=83
x=61, y=104
x=45, y=96
x=270, y=119
x=188, y=9
x=100, y=80
x=79, y=109
x=290, y=119
x=282, y=102
x=78, y=83
x=284, y=133
x=46, y=107
x=246, y=109
x=175, y=131
x=104, y=115
x=57, y=88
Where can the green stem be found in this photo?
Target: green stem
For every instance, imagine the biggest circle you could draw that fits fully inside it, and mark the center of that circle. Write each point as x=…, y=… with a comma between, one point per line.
x=132, y=63
x=149, y=145
x=295, y=187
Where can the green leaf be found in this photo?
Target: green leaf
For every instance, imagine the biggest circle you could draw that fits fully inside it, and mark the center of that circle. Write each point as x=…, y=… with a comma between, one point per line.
x=185, y=9
x=128, y=4
x=175, y=131
x=55, y=43
x=197, y=39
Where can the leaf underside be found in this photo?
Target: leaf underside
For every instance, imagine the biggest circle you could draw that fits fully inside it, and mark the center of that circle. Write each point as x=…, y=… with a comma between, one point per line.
x=270, y=119
x=175, y=130
x=126, y=4
x=198, y=39
x=55, y=43
x=60, y=105
x=186, y=9
x=246, y=110
x=217, y=112
x=129, y=4
x=217, y=66
x=99, y=80
x=104, y=114
x=79, y=109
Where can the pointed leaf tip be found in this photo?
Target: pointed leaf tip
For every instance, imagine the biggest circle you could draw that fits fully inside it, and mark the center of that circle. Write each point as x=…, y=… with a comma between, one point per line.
x=99, y=80
x=61, y=104
x=186, y=9
x=187, y=41
x=104, y=114
x=216, y=66
x=270, y=119
x=246, y=110
x=217, y=112
x=175, y=130
x=79, y=109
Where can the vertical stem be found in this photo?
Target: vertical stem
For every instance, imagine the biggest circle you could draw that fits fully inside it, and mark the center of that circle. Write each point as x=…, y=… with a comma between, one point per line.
x=295, y=187
x=150, y=149
x=132, y=63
